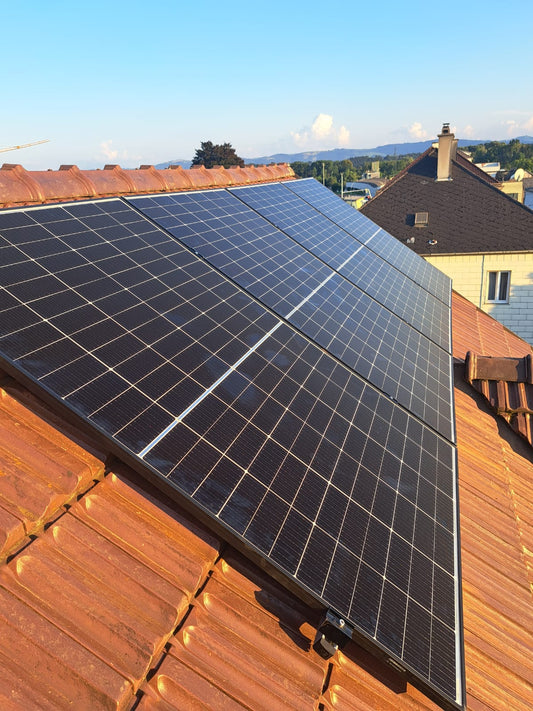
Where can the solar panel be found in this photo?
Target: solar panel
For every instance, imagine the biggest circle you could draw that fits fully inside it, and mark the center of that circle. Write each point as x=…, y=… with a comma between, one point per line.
x=381, y=280
x=391, y=249
x=287, y=452
x=287, y=278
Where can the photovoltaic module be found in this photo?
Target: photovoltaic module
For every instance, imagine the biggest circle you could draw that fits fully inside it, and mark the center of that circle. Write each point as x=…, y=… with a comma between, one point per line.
x=283, y=367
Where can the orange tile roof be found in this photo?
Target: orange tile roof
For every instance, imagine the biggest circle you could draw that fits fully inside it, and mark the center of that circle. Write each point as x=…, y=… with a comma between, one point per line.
x=20, y=187
x=111, y=597
x=120, y=598
x=473, y=331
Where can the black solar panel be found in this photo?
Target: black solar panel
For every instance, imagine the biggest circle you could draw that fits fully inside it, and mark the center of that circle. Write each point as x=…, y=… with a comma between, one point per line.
x=383, y=244
x=380, y=279
x=289, y=453
x=299, y=287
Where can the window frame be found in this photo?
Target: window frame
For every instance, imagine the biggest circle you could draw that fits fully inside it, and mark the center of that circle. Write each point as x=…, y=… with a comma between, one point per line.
x=497, y=286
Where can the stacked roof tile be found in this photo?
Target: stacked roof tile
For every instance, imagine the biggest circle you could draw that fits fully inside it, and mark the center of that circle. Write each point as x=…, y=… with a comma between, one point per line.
x=22, y=187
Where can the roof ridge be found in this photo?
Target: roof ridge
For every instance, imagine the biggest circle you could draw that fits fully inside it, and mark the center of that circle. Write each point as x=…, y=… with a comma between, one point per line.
x=20, y=187
x=392, y=181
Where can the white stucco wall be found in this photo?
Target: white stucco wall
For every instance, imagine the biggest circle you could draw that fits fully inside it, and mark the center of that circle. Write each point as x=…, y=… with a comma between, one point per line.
x=469, y=278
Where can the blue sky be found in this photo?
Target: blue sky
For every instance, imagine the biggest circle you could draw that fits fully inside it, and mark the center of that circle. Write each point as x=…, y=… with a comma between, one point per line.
x=145, y=82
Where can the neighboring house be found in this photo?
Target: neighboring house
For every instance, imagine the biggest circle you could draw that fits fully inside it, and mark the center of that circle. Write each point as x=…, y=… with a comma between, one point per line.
x=112, y=597
x=459, y=219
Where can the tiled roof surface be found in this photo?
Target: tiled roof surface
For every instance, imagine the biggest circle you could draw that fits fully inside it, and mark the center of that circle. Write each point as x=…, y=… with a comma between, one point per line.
x=467, y=214
x=113, y=598
x=22, y=187
x=473, y=331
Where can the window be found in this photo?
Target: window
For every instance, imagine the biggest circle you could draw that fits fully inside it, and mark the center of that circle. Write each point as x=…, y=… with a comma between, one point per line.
x=498, y=287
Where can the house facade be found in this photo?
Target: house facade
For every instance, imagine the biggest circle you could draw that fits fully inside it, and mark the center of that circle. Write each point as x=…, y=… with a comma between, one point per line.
x=458, y=218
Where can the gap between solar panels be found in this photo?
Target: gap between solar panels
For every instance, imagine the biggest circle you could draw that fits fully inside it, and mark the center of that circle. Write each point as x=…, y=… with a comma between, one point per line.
x=280, y=446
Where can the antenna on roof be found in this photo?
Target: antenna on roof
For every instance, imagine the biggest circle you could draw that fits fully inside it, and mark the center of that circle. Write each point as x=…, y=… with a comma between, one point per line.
x=24, y=145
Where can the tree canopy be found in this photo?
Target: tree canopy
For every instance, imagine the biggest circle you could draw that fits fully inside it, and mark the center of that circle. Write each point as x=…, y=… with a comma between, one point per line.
x=510, y=155
x=210, y=154
x=352, y=169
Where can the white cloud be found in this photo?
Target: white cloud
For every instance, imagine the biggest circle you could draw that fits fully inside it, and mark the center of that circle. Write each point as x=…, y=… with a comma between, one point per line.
x=107, y=151
x=511, y=126
x=344, y=136
x=515, y=127
x=416, y=131
x=300, y=138
x=322, y=134
x=468, y=131
x=322, y=126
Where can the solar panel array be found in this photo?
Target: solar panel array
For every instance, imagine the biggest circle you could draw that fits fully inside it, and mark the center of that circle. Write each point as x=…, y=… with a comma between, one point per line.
x=246, y=372
x=319, y=300
x=404, y=259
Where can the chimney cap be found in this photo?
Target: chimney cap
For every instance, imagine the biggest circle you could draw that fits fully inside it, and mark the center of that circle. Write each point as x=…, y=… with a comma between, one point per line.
x=445, y=128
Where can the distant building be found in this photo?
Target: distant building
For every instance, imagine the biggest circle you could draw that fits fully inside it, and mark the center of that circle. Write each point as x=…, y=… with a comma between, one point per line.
x=491, y=169
x=467, y=224
x=373, y=173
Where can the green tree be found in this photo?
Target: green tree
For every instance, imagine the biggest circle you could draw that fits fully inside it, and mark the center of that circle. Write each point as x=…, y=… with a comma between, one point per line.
x=210, y=154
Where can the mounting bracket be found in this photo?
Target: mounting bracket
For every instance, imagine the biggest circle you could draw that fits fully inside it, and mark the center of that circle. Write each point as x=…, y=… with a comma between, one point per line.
x=332, y=634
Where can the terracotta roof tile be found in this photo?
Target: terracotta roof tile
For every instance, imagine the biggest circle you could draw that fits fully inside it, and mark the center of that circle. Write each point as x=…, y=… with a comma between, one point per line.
x=21, y=187
x=41, y=470
x=498, y=611
x=230, y=624
x=474, y=331
x=169, y=544
x=360, y=683
x=113, y=579
x=54, y=669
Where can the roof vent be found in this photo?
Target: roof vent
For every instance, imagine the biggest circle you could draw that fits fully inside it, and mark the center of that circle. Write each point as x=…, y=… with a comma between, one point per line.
x=421, y=219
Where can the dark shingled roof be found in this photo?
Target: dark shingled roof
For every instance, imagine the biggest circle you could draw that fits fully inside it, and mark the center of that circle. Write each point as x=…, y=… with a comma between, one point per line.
x=467, y=214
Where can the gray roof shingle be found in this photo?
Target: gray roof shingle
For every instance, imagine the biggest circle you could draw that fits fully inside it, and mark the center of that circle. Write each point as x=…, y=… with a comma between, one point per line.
x=467, y=214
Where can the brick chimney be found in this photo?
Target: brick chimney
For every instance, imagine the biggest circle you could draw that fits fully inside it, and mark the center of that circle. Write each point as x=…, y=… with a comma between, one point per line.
x=446, y=153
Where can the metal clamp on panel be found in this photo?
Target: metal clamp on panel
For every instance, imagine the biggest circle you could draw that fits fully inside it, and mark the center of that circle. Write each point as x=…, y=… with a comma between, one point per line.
x=332, y=634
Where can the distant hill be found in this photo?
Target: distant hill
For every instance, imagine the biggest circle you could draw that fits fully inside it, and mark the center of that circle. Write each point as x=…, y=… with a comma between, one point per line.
x=389, y=149
x=184, y=164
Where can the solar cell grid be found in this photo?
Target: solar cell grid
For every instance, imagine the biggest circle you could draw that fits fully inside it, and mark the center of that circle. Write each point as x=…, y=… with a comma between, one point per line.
x=299, y=287
x=334, y=246
x=240, y=243
x=288, y=451
x=383, y=244
x=289, y=213
x=73, y=352
x=301, y=490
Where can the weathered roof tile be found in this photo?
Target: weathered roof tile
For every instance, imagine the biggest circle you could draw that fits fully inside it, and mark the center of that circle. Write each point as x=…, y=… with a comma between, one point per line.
x=22, y=187
x=164, y=543
x=54, y=667
x=41, y=470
